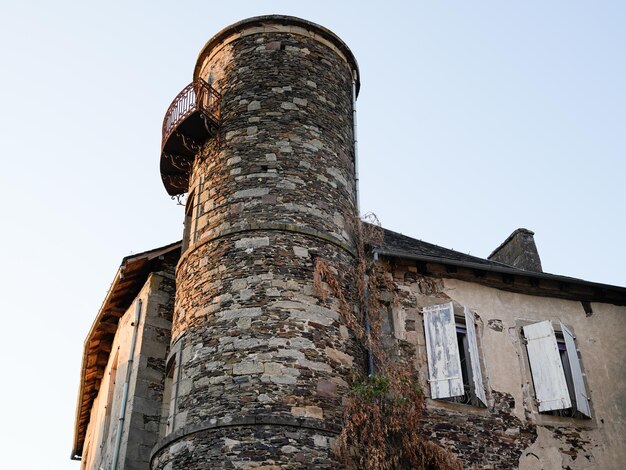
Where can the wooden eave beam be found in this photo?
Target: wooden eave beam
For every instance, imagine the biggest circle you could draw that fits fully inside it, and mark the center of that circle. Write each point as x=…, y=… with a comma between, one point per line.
x=514, y=283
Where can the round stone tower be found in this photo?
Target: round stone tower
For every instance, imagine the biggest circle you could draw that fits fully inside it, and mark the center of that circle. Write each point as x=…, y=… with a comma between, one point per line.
x=259, y=363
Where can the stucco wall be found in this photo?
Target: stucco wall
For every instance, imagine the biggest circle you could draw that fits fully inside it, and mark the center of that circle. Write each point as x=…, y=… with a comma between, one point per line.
x=143, y=411
x=510, y=432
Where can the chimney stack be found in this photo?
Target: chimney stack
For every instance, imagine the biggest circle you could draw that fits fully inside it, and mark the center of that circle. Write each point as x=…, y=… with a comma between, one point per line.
x=518, y=250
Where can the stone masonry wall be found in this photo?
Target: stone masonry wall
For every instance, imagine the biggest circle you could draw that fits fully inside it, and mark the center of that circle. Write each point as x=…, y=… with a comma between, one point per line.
x=285, y=155
x=264, y=364
x=510, y=432
x=519, y=250
x=143, y=412
x=282, y=445
x=257, y=341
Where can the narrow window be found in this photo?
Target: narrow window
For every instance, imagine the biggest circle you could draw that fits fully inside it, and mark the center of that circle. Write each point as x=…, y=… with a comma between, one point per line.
x=109, y=402
x=453, y=359
x=199, y=209
x=475, y=389
x=188, y=219
x=193, y=211
x=577, y=387
x=168, y=406
x=555, y=369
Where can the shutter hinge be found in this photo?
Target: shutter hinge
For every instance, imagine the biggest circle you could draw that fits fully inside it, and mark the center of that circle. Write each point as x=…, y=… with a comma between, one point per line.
x=447, y=378
x=538, y=337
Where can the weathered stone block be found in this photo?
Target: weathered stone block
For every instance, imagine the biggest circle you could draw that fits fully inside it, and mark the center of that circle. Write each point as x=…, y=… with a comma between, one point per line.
x=249, y=367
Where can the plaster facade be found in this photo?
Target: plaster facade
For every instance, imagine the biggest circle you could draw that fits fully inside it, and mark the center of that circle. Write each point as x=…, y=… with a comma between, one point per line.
x=509, y=432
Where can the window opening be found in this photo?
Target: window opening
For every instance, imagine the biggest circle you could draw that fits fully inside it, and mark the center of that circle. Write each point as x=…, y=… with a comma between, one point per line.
x=453, y=360
x=169, y=399
x=461, y=337
x=199, y=209
x=109, y=402
x=469, y=396
x=556, y=372
x=567, y=370
x=187, y=222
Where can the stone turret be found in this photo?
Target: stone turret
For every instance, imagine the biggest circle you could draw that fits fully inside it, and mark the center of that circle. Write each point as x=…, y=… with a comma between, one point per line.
x=258, y=365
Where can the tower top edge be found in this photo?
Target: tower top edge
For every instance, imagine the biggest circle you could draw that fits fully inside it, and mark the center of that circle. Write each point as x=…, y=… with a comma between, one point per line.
x=279, y=20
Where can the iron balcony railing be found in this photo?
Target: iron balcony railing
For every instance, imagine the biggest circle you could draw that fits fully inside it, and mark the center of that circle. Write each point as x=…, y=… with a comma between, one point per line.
x=197, y=96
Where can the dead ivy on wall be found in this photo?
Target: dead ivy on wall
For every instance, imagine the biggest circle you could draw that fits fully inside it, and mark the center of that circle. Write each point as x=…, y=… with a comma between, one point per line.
x=382, y=414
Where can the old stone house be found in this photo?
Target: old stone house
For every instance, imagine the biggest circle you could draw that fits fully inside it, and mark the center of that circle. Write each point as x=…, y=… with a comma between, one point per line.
x=216, y=352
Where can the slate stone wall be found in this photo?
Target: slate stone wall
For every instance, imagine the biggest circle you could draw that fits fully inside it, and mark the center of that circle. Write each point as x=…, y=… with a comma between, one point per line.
x=278, y=444
x=493, y=439
x=285, y=150
x=264, y=363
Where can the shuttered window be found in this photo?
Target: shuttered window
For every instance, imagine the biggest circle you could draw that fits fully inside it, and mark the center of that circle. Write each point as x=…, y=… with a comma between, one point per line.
x=444, y=365
x=546, y=368
x=453, y=358
x=556, y=372
x=477, y=376
x=582, y=400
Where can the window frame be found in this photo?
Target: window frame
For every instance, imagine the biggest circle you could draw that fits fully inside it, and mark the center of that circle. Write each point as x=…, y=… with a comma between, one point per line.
x=573, y=381
x=110, y=397
x=188, y=220
x=442, y=325
x=169, y=408
x=193, y=211
x=168, y=405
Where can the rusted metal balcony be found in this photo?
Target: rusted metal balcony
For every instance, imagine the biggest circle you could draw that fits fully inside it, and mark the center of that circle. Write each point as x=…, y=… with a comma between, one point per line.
x=192, y=118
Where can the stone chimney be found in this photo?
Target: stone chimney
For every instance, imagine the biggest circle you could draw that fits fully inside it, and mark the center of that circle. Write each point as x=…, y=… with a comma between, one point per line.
x=518, y=250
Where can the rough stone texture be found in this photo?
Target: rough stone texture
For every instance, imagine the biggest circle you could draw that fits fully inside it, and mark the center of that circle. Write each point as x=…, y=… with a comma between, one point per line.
x=261, y=447
x=284, y=158
x=253, y=327
x=519, y=250
x=510, y=433
x=276, y=191
x=495, y=439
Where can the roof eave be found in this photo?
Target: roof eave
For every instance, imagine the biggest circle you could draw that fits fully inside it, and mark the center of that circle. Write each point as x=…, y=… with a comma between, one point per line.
x=503, y=269
x=76, y=452
x=150, y=254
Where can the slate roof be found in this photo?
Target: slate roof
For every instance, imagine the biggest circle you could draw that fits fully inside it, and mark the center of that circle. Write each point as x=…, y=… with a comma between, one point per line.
x=396, y=245
x=403, y=245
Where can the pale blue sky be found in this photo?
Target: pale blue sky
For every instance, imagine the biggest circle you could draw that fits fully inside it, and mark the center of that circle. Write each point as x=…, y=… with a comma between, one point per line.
x=475, y=118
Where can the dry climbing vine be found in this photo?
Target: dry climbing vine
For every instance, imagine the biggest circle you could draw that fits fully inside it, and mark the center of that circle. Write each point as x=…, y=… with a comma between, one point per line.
x=383, y=413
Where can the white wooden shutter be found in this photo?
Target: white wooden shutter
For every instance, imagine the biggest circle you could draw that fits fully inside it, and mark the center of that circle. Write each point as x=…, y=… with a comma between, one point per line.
x=472, y=345
x=582, y=400
x=547, y=370
x=444, y=362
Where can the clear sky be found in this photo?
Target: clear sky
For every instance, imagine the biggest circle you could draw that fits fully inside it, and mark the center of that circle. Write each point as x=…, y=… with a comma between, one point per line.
x=475, y=118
